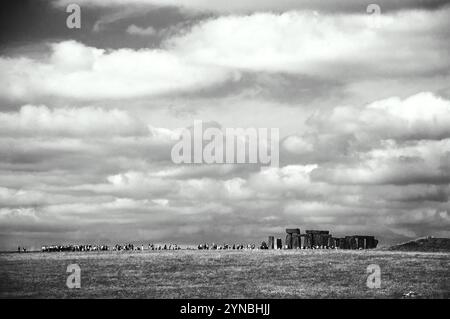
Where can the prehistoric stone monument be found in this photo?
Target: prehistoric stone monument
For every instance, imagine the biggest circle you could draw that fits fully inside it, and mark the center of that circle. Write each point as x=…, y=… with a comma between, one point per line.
x=322, y=239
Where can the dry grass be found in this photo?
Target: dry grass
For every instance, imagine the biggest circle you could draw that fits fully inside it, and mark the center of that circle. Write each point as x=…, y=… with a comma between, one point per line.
x=225, y=274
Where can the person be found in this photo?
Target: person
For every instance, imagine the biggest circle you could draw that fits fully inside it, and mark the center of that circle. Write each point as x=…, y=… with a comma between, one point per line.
x=18, y=249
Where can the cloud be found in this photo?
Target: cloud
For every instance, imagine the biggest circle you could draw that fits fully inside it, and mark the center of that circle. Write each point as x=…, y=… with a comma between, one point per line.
x=423, y=162
x=246, y=6
x=420, y=116
x=33, y=120
x=298, y=145
x=342, y=132
x=112, y=171
x=75, y=71
x=317, y=45
x=133, y=29
x=112, y=16
x=85, y=144
x=79, y=140
x=307, y=48
x=390, y=141
x=61, y=164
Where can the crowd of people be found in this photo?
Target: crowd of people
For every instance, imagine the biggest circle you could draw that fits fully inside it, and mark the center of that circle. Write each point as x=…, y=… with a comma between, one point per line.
x=149, y=247
x=66, y=248
x=121, y=247
x=233, y=247
x=133, y=247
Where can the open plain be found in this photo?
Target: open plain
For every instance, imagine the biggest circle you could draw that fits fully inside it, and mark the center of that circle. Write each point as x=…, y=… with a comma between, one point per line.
x=226, y=274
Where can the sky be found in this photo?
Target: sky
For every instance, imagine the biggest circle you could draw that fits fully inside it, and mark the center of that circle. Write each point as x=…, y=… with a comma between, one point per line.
x=88, y=118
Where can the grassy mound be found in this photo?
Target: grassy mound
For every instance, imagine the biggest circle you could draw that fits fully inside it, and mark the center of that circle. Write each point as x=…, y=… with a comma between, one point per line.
x=425, y=244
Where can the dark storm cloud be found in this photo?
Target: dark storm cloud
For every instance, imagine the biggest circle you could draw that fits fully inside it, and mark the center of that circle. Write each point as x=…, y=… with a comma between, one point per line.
x=26, y=24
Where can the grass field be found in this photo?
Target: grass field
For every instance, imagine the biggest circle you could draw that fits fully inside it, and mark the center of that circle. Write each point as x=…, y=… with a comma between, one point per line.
x=225, y=274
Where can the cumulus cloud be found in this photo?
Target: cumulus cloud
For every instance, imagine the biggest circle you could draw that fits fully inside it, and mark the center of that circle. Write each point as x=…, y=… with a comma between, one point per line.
x=75, y=71
x=85, y=121
x=391, y=141
x=318, y=45
x=343, y=131
x=423, y=162
x=212, y=53
x=421, y=116
x=98, y=140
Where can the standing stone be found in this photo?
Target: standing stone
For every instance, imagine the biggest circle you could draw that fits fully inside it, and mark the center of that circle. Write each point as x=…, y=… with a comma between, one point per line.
x=325, y=240
x=336, y=243
x=369, y=242
x=366, y=240
x=271, y=242
x=360, y=242
x=279, y=243
x=314, y=240
x=302, y=241
x=288, y=242
x=348, y=244
x=320, y=240
x=330, y=242
x=352, y=242
x=308, y=241
x=295, y=241
x=317, y=240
